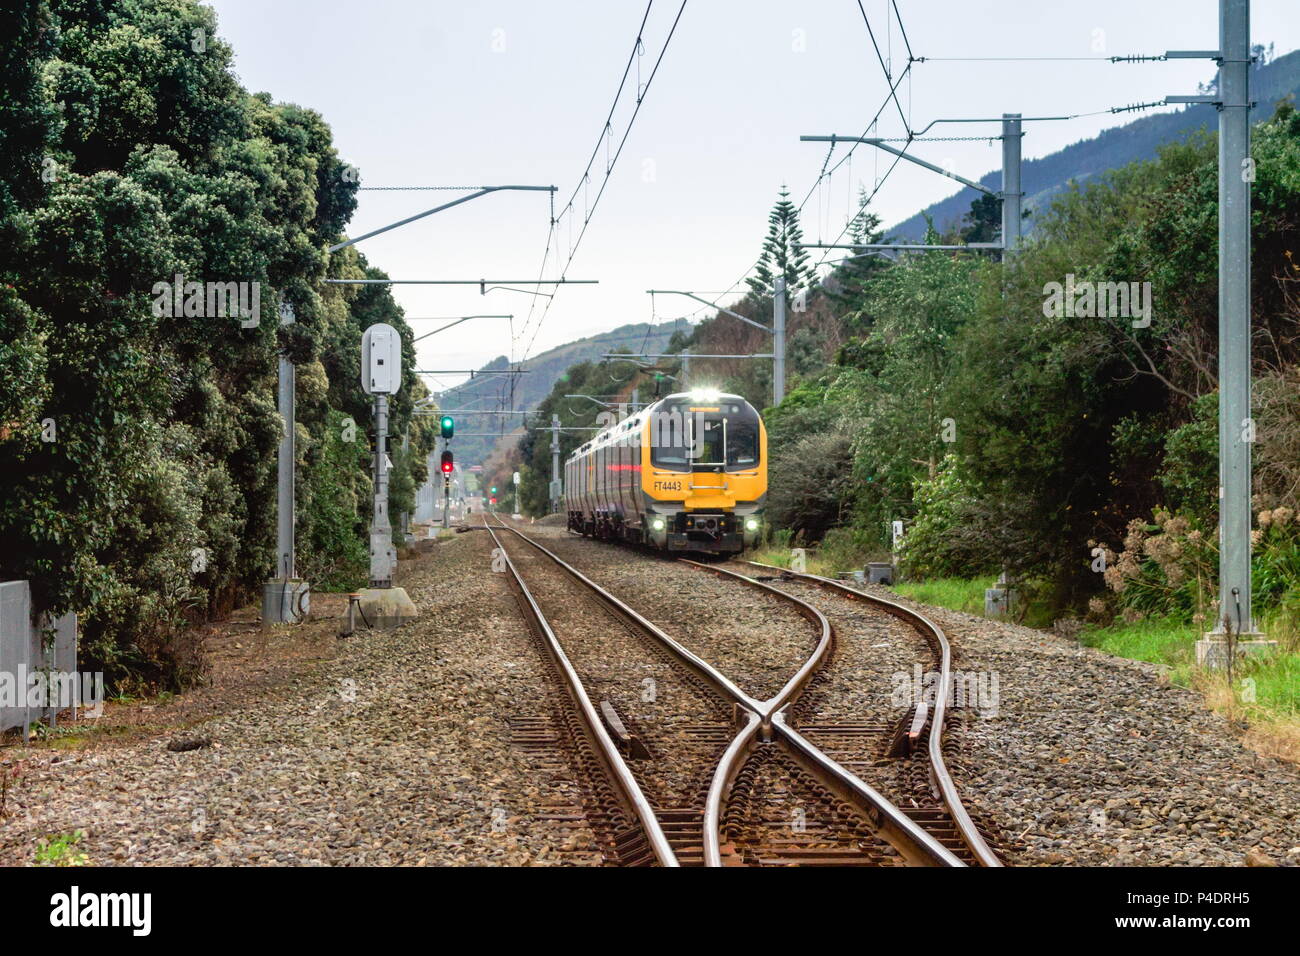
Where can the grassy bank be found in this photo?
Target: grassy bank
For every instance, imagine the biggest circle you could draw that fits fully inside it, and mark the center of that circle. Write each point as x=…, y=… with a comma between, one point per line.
x=1264, y=693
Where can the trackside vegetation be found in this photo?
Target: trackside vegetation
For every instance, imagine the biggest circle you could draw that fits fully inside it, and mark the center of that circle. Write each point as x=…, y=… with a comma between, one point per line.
x=1073, y=449
x=139, y=442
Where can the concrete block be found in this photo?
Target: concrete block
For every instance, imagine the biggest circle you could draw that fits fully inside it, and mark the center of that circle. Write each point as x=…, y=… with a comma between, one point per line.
x=386, y=608
x=25, y=654
x=15, y=650
x=1212, y=649
x=999, y=603
x=880, y=572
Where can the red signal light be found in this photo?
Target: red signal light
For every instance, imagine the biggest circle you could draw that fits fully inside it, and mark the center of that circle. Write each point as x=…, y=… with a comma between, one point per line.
x=447, y=463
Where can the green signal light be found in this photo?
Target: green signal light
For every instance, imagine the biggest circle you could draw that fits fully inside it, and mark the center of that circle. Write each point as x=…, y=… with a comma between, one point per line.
x=448, y=425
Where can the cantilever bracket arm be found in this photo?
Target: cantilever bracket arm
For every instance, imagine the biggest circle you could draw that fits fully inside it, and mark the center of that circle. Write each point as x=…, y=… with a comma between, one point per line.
x=880, y=144
x=464, y=318
x=429, y=212
x=712, y=305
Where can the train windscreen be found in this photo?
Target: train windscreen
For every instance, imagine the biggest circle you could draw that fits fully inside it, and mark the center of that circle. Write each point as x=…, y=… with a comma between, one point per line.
x=705, y=438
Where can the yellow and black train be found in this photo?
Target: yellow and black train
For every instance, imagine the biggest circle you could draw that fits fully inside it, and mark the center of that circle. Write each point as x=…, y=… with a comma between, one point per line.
x=687, y=473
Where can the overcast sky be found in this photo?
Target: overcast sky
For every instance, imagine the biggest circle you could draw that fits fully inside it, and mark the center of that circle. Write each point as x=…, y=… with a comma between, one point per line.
x=517, y=91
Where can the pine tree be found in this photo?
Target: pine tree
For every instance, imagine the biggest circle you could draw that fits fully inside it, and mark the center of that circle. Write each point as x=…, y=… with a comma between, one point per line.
x=783, y=252
x=851, y=275
x=984, y=221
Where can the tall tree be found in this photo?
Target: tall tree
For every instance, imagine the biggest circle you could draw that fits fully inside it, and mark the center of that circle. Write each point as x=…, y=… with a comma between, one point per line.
x=984, y=221
x=851, y=276
x=783, y=252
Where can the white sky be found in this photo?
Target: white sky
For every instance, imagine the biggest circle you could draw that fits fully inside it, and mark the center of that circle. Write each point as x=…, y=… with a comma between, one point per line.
x=517, y=91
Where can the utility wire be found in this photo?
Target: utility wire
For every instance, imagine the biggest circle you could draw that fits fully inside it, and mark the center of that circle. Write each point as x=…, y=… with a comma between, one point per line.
x=885, y=69
x=604, y=133
x=586, y=173
x=640, y=99
x=902, y=29
x=1130, y=58
x=891, y=95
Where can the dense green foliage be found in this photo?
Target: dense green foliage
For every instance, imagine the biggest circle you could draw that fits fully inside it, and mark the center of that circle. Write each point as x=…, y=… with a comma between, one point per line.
x=139, y=448
x=943, y=390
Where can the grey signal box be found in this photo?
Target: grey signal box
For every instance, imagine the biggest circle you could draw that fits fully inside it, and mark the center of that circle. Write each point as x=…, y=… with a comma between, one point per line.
x=381, y=360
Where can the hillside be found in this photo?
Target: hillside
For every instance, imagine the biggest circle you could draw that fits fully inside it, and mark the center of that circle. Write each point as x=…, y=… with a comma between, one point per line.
x=1086, y=159
x=494, y=391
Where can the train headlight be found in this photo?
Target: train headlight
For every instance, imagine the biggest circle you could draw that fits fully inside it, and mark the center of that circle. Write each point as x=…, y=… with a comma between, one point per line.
x=657, y=524
x=751, y=524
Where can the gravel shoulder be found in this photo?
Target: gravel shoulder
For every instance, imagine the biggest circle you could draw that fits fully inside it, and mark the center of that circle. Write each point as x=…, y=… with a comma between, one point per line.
x=1096, y=760
x=396, y=747
x=383, y=748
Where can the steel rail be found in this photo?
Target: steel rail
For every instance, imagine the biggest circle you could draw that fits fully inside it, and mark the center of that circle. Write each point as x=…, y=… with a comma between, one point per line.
x=938, y=641
x=912, y=841
x=724, y=775
x=741, y=744
x=619, y=770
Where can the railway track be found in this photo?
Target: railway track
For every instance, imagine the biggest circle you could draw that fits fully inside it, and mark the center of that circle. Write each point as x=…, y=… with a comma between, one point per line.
x=748, y=790
x=913, y=749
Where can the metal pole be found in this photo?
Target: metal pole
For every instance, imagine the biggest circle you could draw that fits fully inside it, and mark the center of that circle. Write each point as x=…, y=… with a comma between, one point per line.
x=1011, y=194
x=1235, y=426
x=284, y=543
x=446, y=501
x=404, y=521
x=555, y=462
x=778, y=340
x=382, y=556
x=686, y=368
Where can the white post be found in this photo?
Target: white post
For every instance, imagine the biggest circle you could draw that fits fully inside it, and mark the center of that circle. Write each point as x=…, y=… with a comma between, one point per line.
x=383, y=557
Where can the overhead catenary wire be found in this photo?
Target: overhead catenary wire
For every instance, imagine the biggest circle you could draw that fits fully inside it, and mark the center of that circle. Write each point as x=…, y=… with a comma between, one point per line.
x=586, y=173
x=884, y=67
x=590, y=211
x=890, y=96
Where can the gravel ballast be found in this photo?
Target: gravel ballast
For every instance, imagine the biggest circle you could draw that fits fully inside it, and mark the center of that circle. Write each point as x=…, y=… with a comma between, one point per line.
x=396, y=747
x=1090, y=759
x=715, y=618
x=395, y=750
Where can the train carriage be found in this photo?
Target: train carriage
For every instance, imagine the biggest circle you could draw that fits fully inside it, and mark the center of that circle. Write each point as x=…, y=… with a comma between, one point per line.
x=687, y=473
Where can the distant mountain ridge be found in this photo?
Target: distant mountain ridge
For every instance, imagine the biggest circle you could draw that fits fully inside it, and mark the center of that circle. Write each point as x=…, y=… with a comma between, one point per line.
x=1042, y=178
x=543, y=370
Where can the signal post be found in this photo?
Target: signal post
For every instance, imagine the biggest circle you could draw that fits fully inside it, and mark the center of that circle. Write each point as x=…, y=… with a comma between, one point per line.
x=382, y=605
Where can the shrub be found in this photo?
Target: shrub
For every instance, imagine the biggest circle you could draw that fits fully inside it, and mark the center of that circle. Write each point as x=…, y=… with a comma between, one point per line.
x=1169, y=568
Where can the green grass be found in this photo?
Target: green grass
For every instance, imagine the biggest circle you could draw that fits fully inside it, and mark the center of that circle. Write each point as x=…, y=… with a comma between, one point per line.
x=956, y=594
x=1273, y=681
x=61, y=850
x=1156, y=641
